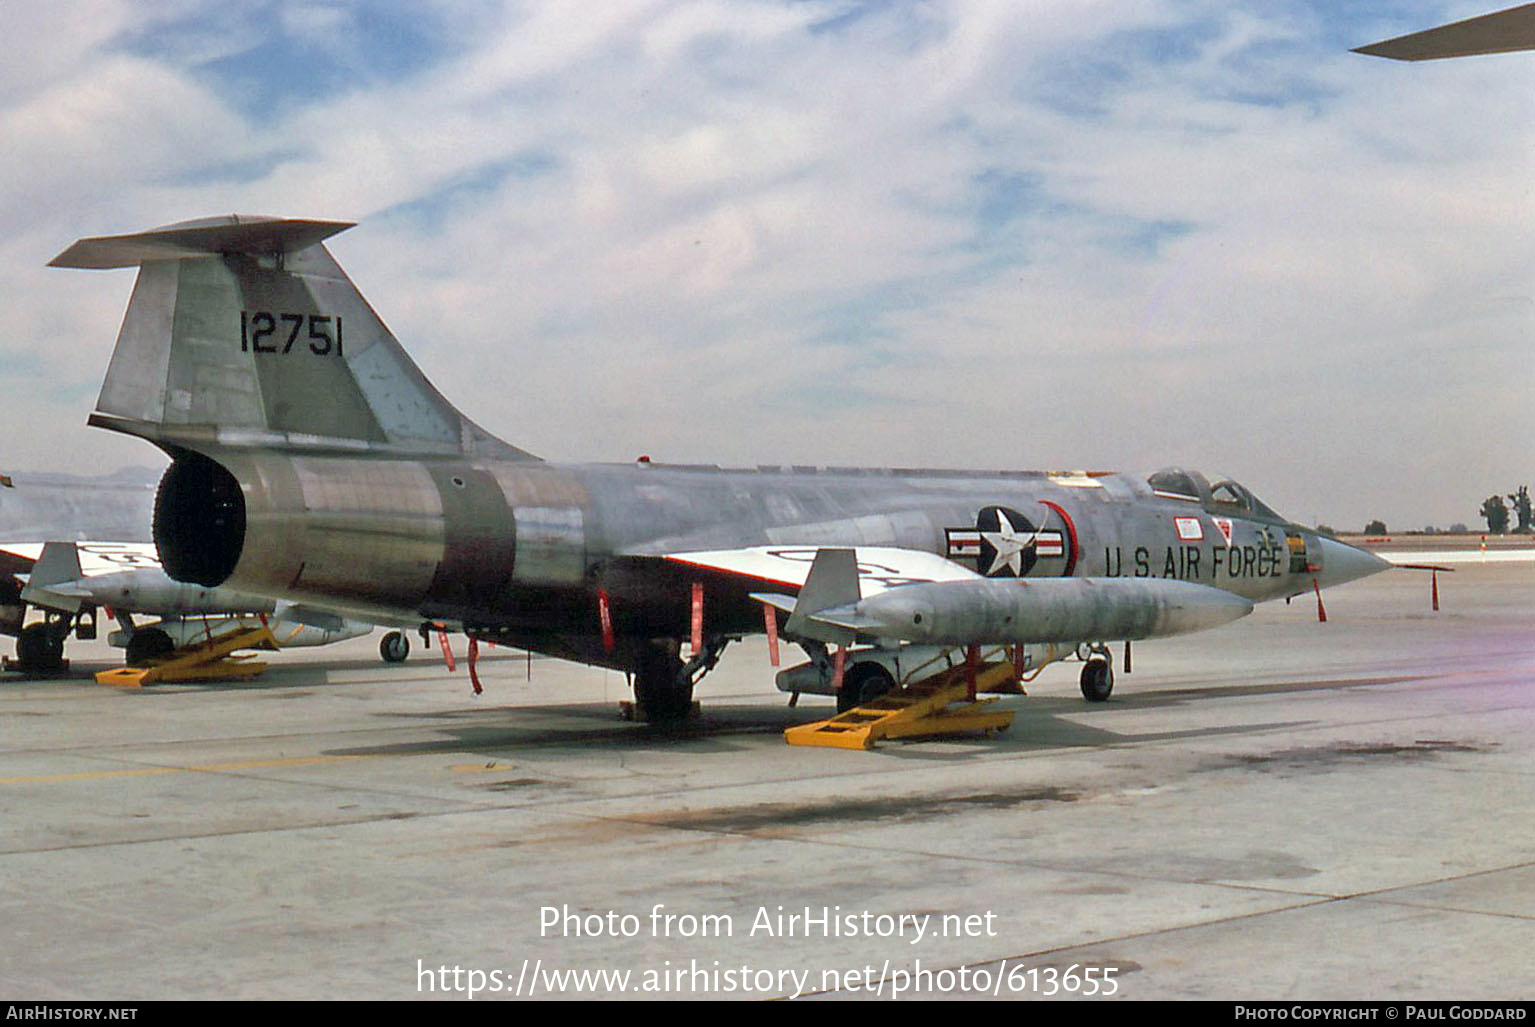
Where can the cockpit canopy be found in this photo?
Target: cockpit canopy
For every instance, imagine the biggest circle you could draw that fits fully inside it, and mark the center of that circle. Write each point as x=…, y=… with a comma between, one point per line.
x=1226, y=496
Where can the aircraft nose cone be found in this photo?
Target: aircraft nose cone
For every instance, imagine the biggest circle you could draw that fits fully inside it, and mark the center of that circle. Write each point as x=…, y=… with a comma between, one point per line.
x=1342, y=562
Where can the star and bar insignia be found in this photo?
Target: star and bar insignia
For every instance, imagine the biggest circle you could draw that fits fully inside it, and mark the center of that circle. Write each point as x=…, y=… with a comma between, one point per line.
x=1003, y=543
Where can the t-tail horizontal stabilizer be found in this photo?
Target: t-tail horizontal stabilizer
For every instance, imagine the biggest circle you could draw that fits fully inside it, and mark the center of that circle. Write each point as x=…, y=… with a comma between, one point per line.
x=210, y=237
x=244, y=332
x=1500, y=32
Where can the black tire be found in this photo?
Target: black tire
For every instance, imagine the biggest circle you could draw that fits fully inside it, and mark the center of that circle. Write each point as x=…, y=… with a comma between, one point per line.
x=394, y=647
x=39, y=648
x=148, y=644
x=1097, y=680
x=663, y=695
x=863, y=683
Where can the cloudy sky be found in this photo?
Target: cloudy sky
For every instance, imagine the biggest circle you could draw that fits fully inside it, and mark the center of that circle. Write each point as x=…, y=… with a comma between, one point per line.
x=1107, y=234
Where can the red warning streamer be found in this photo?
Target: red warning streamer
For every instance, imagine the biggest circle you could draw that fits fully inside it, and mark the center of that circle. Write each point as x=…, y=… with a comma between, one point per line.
x=1321, y=611
x=474, y=655
x=698, y=616
x=770, y=621
x=447, y=651
x=605, y=616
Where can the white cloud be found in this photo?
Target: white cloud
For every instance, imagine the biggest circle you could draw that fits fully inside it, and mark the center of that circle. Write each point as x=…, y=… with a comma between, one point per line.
x=753, y=232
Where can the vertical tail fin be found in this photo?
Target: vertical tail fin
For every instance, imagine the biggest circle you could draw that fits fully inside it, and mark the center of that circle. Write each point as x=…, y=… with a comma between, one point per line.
x=245, y=332
x=832, y=581
x=58, y=565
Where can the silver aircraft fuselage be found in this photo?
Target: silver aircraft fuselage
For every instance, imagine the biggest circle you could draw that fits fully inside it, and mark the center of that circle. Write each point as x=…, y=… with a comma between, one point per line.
x=520, y=550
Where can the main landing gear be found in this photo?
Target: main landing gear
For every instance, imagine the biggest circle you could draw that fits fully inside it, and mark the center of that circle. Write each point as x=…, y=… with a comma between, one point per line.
x=40, y=649
x=862, y=684
x=40, y=645
x=147, y=644
x=663, y=683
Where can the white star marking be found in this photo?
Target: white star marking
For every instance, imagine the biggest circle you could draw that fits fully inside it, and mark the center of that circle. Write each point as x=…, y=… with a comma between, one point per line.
x=1008, y=544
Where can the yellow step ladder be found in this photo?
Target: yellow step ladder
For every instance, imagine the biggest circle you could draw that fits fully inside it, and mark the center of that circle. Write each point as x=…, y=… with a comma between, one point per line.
x=920, y=709
x=210, y=660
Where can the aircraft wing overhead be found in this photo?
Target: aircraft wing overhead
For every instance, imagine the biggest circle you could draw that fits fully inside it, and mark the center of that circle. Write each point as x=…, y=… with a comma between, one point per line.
x=879, y=567
x=915, y=596
x=1423, y=558
x=1501, y=32
x=12, y=562
x=96, y=558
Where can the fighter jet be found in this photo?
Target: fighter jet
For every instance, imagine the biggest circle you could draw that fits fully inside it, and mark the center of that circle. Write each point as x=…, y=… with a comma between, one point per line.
x=312, y=460
x=126, y=578
x=69, y=579
x=1500, y=32
x=36, y=507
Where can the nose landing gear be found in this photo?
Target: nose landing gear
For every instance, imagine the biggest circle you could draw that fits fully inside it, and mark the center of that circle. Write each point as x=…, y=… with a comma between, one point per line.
x=1098, y=675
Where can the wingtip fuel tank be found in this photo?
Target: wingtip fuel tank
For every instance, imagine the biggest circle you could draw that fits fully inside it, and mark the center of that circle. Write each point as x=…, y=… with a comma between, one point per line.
x=992, y=611
x=1338, y=562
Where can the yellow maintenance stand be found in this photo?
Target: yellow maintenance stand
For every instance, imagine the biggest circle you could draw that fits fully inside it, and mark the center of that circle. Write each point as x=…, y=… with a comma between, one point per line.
x=212, y=659
x=921, y=709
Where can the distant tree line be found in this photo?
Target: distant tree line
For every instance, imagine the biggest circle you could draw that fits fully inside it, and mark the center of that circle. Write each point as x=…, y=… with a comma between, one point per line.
x=1378, y=527
x=1496, y=511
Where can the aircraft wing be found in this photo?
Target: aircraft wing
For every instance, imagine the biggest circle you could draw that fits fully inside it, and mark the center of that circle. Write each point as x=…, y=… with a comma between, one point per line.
x=96, y=558
x=1423, y=558
x=1501, y=32
x=879, y=567
x=915, y=596
x=12, y=563
x=824, y=578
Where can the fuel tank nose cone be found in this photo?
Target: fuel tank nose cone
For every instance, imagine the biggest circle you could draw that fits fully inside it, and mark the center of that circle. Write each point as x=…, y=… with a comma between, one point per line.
x=1342, y=562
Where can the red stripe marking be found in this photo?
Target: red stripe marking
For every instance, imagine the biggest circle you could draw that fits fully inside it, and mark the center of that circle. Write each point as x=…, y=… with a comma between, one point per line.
x=739, y=574
x=1071, y=536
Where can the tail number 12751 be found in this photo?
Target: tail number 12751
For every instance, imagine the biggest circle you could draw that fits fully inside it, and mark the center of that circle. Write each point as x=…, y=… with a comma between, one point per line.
x=262, y=331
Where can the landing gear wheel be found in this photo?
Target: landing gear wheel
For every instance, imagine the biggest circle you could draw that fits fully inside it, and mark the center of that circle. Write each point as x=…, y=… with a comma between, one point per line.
x=148, y=644
x=662, y=692
x=394, y=647
x=1097, y=680
x=39, y=648
x=863, y=683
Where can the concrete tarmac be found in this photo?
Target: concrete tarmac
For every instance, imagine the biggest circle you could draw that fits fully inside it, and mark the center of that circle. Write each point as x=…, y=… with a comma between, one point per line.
x=1277, y=809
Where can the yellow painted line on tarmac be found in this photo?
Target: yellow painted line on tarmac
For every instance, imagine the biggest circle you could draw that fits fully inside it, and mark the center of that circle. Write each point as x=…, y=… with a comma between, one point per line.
x=205, y=768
